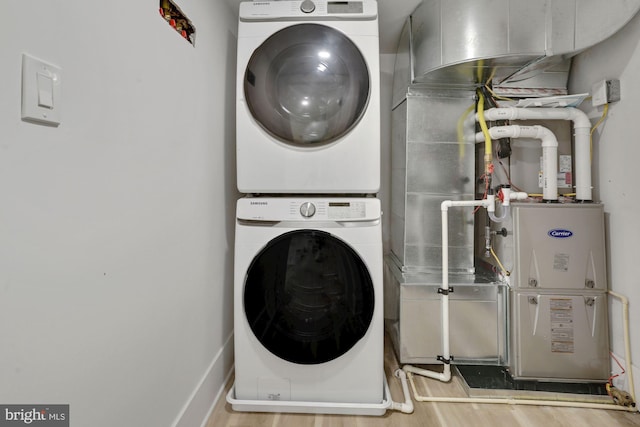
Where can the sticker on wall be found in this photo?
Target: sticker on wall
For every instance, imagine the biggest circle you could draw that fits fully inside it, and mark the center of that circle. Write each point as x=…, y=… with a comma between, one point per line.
x=178, y=20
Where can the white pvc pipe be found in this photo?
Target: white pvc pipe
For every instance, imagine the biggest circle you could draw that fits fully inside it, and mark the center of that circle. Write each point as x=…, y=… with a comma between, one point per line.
x=492, y=215
x=406, y=406
x=582, y=135
x=583, y=192
x=513, y=401
x=517, y=195
x=549, y=152
x=445, y=375
x=627, y=346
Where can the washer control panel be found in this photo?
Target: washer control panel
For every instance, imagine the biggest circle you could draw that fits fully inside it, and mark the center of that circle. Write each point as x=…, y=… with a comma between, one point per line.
x=308, y=209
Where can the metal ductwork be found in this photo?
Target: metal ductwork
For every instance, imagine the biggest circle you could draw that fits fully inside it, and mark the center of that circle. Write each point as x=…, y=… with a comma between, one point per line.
x=466, y=42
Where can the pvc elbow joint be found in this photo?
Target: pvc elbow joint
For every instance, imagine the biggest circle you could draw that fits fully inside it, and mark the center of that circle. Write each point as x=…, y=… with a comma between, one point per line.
x=505, y=213
x=506, y=196
x=491, y=208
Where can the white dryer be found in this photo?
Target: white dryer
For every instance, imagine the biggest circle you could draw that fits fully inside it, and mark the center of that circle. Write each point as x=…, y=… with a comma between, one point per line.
x=308, y=307
x=308, y=97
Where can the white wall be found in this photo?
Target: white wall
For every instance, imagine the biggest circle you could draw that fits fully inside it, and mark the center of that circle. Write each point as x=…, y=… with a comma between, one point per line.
x=616, y=153
x=116, y=228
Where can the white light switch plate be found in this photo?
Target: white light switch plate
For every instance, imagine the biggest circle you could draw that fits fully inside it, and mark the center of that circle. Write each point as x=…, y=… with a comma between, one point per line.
x=41, y=91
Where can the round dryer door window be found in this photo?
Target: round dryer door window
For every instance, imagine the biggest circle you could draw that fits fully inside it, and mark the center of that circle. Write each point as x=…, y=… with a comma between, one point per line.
x=308, y=297
x=307, y=85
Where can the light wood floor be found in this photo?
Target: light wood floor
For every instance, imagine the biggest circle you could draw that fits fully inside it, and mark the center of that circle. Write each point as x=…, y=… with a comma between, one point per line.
x=430, y=414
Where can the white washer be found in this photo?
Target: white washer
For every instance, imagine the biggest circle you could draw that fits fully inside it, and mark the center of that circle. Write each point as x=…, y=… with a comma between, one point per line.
x=308, y=97
x=308, y=300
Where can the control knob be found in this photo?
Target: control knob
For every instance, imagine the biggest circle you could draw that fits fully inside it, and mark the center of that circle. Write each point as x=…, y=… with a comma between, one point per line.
x=307, y=209
x=307, y=6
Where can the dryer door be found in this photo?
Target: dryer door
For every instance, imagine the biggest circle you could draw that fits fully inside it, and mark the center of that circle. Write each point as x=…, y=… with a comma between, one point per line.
x=308, y=297
x=307, y=85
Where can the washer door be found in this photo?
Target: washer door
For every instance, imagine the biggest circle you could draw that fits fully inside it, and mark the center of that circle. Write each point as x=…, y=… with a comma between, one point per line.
x=307, y=85
x=308, y=297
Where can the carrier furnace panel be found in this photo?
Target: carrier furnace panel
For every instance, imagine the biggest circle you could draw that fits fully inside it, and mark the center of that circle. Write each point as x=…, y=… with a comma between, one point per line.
x=559, y=323
x=559, y=246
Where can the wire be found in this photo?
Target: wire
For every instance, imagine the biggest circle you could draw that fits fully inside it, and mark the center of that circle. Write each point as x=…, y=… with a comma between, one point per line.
x=616, y=375
x=504, y=270
x=504, y=169
x=490, y=78
x=460, y=129
x=604, y=115
x=495, y=96
x=605, y=110
x=488, y=151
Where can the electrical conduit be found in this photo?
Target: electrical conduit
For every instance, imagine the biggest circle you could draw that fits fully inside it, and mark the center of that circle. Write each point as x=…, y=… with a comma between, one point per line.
x=627, y=346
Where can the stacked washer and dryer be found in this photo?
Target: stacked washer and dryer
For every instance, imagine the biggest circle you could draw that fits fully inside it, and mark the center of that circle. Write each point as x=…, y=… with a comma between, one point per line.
x=308, y=301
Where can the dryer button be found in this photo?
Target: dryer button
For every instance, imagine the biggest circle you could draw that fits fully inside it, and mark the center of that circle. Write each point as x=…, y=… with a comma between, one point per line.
x=307, y=6
x=307, y=209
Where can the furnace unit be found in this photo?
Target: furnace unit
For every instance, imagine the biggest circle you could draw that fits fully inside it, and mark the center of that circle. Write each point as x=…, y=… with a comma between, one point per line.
x=559, y=293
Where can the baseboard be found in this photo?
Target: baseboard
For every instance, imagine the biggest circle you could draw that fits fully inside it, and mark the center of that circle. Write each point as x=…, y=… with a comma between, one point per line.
x=203, y=399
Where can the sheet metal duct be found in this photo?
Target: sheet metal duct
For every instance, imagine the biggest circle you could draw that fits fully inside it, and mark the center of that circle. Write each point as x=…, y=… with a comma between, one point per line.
x=463, y=42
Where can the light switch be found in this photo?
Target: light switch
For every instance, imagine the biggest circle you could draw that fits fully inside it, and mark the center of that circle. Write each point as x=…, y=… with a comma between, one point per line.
x=41, y=91
x=45, y=90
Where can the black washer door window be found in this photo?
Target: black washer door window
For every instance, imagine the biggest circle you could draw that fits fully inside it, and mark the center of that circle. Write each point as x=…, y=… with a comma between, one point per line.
x=308, y=297
x=307, y=84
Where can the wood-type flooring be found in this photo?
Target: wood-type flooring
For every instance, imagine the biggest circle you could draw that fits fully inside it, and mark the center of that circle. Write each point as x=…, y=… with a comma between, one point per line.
x=427, y=414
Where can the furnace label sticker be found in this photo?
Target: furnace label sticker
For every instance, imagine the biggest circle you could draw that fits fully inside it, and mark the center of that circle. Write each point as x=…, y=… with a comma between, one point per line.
x=561, y=262
x=562, y=338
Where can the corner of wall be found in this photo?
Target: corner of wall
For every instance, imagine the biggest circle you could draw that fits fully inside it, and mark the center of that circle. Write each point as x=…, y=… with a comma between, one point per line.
x=209, y=389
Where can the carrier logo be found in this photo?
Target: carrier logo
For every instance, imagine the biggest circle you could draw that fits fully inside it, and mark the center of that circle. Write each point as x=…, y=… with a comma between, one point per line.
x=559, y=233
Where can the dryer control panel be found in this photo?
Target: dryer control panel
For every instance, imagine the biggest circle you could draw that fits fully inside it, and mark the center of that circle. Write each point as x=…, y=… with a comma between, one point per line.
x=308, y=209
x=269, y=10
